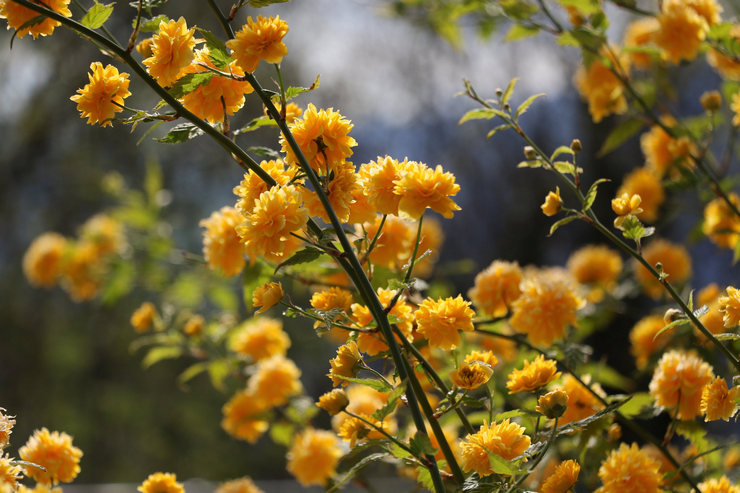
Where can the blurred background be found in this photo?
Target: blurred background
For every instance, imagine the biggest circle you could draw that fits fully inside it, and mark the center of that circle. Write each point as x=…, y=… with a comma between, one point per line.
x=68, y=366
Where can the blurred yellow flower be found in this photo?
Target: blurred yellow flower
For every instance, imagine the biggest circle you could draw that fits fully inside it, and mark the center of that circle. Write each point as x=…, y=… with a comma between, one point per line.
x=346, y=364
x=646, y=184
x=553, y=203
x=544, y=309
x=639, y=34
x=496, y=288
x=533, y=375
x=678, y=380
x=275, y=381
x=735, y=107
x=194, y=325
x=161, y=482
x=392, y=246
x=629, y=469
x=372, y=342
x=721, y=224
x=681, y=31
x=596, y=265
x=439, y=321
x=104, y=233
x=602, y=89
x=717, y=401
x=432, y=238
x=10, y=473
x=582, y=403
x=171, y=51
x=54, y=452
x=664, y=153
x=505, y=439
x=729, y=306
x=643, y=342
x=563, y=479
x=241, y=485
x=17, y=15
x=676, y=263
x=242, y=416
x=99, y=100
x=718, y=485
x=333, y=402
x=471, y=375
x=82, y=272
x=222, y=247
x=260, y=39
x=421, y=187
x=42, y=262
x=313, y=456
x=267, y=296
x=6, y=428
x=142, y=318
x=260, y=338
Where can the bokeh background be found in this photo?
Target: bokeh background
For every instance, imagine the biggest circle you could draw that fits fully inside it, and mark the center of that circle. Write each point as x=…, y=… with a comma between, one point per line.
x=68, y=366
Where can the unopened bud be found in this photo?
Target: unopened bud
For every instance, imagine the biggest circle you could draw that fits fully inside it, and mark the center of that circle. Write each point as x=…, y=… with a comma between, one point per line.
x=673, y=314
x=553, y=404
x=144, y=48
x=529, y=152
x=711, y=101
x=614, y=432
x=499, y=92
x=576, y=146
x=333, y=402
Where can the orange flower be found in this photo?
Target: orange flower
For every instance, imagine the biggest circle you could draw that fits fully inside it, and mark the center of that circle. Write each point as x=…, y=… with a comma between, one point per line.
x=161, y=482
x=678, y=381
x=373, y=343
x=143, y=317
x=99, y=100
x=595, y=264
x=643, y=341
x=267, y=296
x=276, y=380
x=171, y=51
x=721, y=224
x=582, y=403
x=681, y=31
x=313, y=456
x=640, y=33
x=676, y=263
x=533, y=376
x=55, y=453
x=241, y=485
x=260, y=338
x=260, y=39
x=717, y=401
x=378, y=179
x=647, y=185
x=17, y=15
x=553, y=203
x=346, y=364
x=629, y=469
x=252, y=186
x=221, y=245
x=242, y=416
x=600, y=87
x=471, y=375
x=721, y=485
x=563, y=479
x=729, y=306
x=421, y=187
x=496, y=288
x=439, y=321
x=505, y=439
x=662, y=151
x=42, y=262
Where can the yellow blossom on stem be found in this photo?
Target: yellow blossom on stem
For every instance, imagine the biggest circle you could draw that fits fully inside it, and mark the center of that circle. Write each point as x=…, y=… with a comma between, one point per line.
x=639, y=34
x=681, y=30
x=647, y=186
x=472, y=375
x=275, y=381
x=643, y=342
x=721, y=224
x=142, y=318
x=242, y=416
x=17, y=15
x=533, y=375
x=241, y=485
x=363, y=401
x=729, y=306
x=346, y=364
x=194, y=325
x=6, y=428
x=663, y=152
x=252, y=186
x=171, y=51
x=422, y=187
x=260, y=338
x=711, y=101
x=340, y=188
x=100, y=99
x=553, y=203
x=563, y=479
x=505, y=439
x=354, y=430
x=395, y=240
x=676, y=264
x=333, y=298
x=372, y=342
x=104, y=233
x=55, y=453
x=629, y=469
x=553, y=404
x=678, y=381
x=267, y=296
x=144, y=47
x=292, y=111
x=718, y=485
x=42, y=262
x=260, y=39
x=582, y=403
x=603, y=90
x=496, y=287
x=595, y=265
x=717, y=401
x=10, y=473
x=82, y=272
x=431, y=240
x=626, y=204
x=313, y=456
x=333, y=402
x=486, y=357
x=161, y=482
x=439, y=321
x=378, y=178
x=222, y=247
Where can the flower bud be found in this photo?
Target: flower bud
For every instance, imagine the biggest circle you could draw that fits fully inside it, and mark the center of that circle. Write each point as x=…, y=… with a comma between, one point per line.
x=711, y=101
x=529, y=152
x=145, y=47
x=576, y=146
x=267, y=296
x=553, y=404
x=334, y=401
x=614, y=432
x=673, y=314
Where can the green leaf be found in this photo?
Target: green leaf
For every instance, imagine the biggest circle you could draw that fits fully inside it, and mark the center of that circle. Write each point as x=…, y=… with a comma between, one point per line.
x=254, y=275
x=29, y=23
x=218, y=370
x=533, y=163
x=150, y=25
x=390, y=404
x=499, y=465
x=526, y=104
x=588, y=7
x=378, y=385
x=588, y=40
x=190, y=83
x=292, y=92
x=564, y=167
x=591, y=194
x=420, y=444
x=363, y=463
x=97, y=15
x=159, y=353
x=509, y=90
x=181, y=133
x=216, y=49
x=259, y=122
x=517, y=32
x=727, y=336
x=561, y=222
x=518, y=9
x=495, y=130
x=264, y=3
x=694, y=433
x=480, y=114
x=585, y=422
x=514, y=413
x=567, y=39
x=282, y=433
x=300, y=257
x=636, y=405
x=264, y=152
x=397, y=451
x=561, y=150
x=191, y=372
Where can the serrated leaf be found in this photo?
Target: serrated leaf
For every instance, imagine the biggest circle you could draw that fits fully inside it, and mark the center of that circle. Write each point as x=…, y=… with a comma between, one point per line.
x=591, y=194
x=619, y=135
x=97, y=15
x=378, y=385
x=181, y=133
x=190, y=83
x=514, y=413
x=636, y=405
x=420, y=444
x=495, y=130
x=509, y=90
x=424, y=477
x=533, y=163
x=564, y=167
x=264, y=152
x=481, y=114
x=216, y=49
x=357, y=467
x=397, y=451
x=159, y=353
x=526, y=104
x=561, y=222
x=150, y=25
x=694, y=433
x=499, y=465
x=727, y=336
x=390, y=404
x=561, y=150
x=292, y=92
x=518, y=9
x=300, y=257
x=259, y=122
x=517, y=32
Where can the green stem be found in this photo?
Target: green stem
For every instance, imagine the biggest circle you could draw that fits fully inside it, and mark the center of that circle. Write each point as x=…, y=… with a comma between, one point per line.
x=381, y=430
x=410, y=268
x=539, y=458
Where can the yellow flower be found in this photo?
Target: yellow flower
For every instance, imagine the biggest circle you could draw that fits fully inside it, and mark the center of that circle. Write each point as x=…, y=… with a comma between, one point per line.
x=600, y=87
x=563, y=479
x=6, y=428
x=728, y=68
x=346, y=364
x=681, y=31
x=678, y=380
x=360, y=209
x=581, y=402
x=629, y=469
x=717, y=401
x=333, y=402
x=267, y=230
x=378, y=180
x=721, y=485
x=82, y=272
x=242, y=416
x=625, y=205
x=144, y=47
x=260, y=338
x=676, y=263
x=143, y=317
x=711, y=101
x=721, y=224
x=194, y=325
x=221, y=245
x=486, y=357
x=323, y=137
x=553, y=203
x=53, y=451
x=640, y=33
x=98, y=100
x=440, y=320
x=171, y=52
x=432, y=238
x=647, y=185
x=373, y=343
x=643, y=342
x=10, y=474
x=42, y=262
x=356, y=430
x=544, y=309
x=260, y=39
x=553, y=404
x=595, y=264
x=662, y=151
x=267, y=296
x=731, y=459
x=735, y=106
x=471, y=375
x=533, y=375
x=161, y=482
x=340, y=187
x=363, y=401
x=208, y=100
x=505, y=439
x=421, y=187
x=39, y=488
x=252, y=186
x=241, y=485
x=710, y=10
x=313, y=456
x=334, y=298
x=17, y=15
x=392, y=246
x=292, y=111
x=729, y=306
x=104, y=233
x=496, y=287
x=276, y=380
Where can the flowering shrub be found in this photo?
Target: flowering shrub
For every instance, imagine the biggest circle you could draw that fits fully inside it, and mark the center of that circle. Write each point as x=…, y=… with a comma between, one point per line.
x=495, y=393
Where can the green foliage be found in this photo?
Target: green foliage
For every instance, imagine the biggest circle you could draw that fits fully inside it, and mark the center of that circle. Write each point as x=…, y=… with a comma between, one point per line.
x=620, y=134
x=217, y=51
x=97, y=15
x=189, y=83
x=181, y=133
